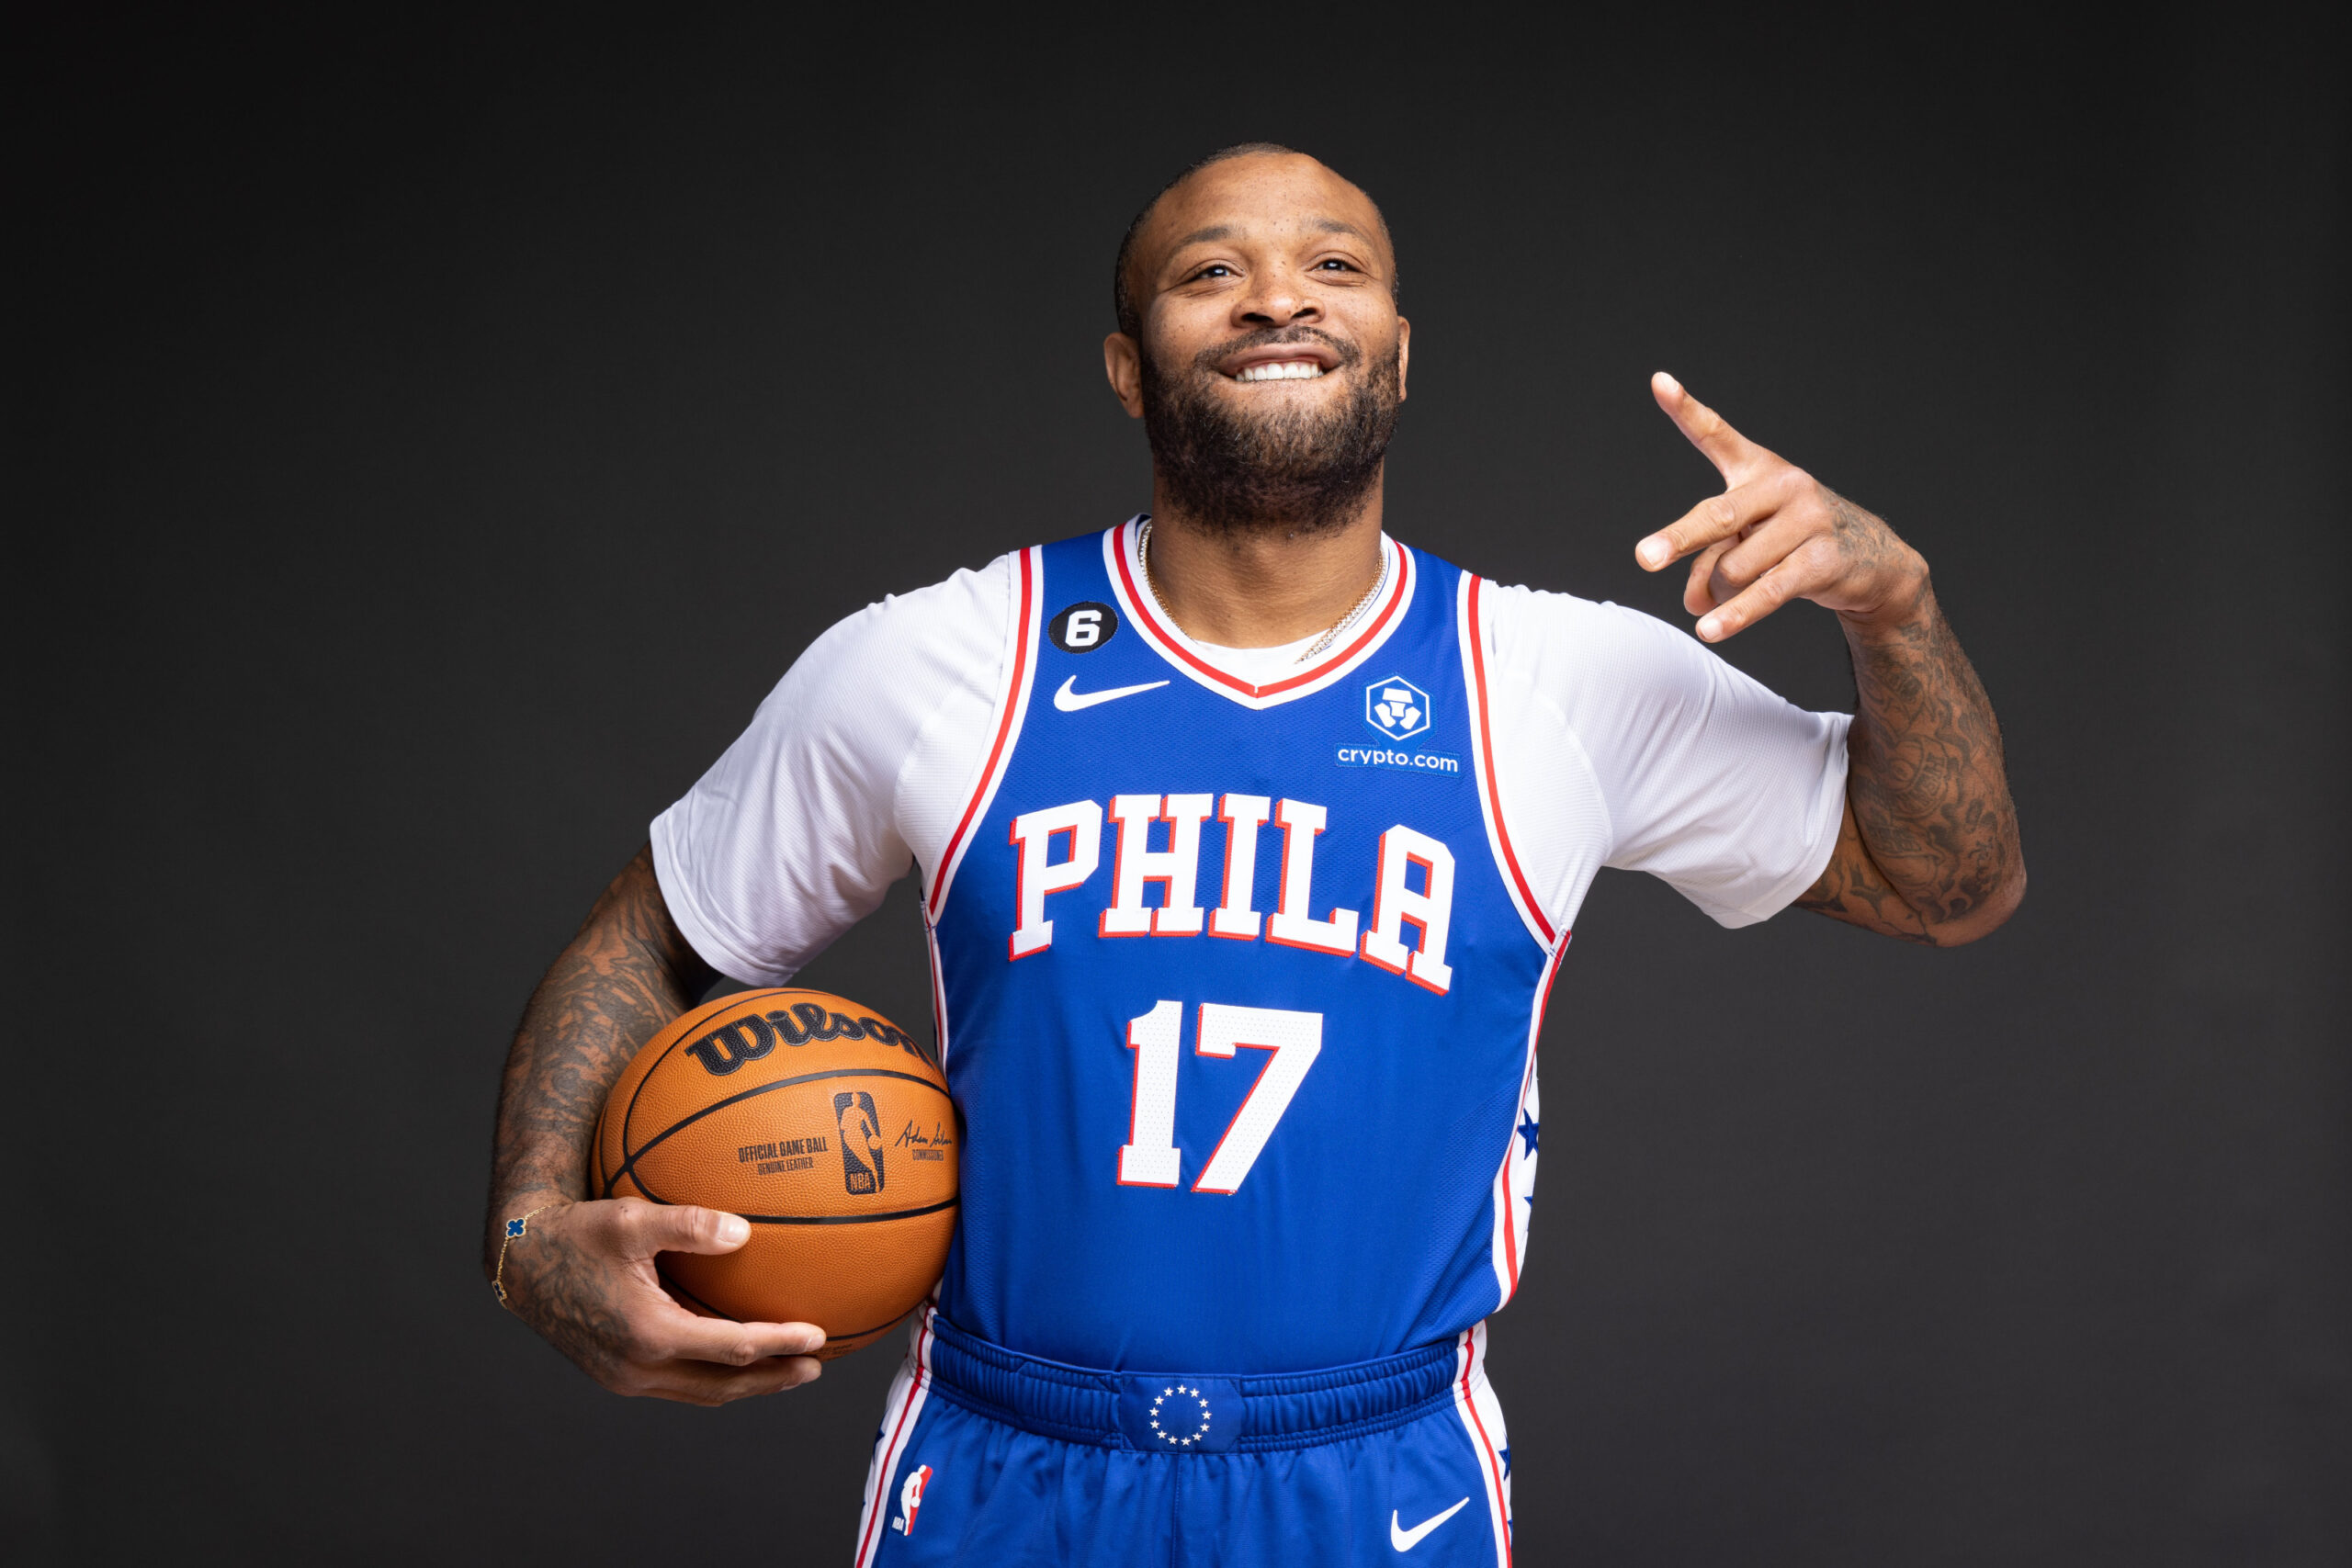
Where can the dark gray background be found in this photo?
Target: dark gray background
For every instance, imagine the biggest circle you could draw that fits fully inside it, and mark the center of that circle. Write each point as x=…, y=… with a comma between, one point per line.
x=428, y=441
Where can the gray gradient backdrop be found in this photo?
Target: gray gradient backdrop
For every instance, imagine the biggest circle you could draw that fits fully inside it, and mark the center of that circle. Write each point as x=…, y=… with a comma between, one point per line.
x=428, y=441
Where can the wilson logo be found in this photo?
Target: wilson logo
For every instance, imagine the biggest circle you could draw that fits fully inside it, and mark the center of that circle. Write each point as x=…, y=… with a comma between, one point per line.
x=748, y=1038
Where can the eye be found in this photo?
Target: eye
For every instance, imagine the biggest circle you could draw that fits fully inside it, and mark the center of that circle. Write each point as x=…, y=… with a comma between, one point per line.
x=1215, y=269
x=1333, y=263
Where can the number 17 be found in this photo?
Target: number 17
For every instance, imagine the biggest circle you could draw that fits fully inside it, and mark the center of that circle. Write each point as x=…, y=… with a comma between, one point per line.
x=1149, y=1158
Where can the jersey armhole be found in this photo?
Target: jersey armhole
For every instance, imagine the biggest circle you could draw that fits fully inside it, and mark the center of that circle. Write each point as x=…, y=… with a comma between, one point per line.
x=1019, y=657
x=1470, y=626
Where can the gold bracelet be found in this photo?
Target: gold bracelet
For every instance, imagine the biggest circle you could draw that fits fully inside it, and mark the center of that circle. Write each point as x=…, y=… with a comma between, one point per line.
x=514, y=1229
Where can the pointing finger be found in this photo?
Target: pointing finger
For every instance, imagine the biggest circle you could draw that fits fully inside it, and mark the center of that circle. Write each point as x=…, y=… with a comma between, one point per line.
x=1717, y=517
x=1727, y=449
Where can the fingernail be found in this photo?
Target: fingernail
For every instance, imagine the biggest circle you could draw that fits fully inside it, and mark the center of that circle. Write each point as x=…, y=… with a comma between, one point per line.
x=1709, y=628
x=734, y=1229
x=1672, y=385
x=1653, y=552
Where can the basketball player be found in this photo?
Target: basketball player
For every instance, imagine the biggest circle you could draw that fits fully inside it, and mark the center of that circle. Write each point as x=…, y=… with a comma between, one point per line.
x=1249, y=841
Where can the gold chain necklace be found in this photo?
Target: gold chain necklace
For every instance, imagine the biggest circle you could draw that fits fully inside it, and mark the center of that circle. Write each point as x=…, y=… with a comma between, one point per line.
x=1143, y=560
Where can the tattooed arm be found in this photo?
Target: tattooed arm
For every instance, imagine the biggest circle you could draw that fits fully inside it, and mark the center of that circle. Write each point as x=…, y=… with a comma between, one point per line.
x=582, y=1274
x=1929, y=849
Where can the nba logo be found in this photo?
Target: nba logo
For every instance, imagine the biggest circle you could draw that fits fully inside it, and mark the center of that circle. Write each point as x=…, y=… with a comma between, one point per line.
x=861, y=1126
x=909, y=1501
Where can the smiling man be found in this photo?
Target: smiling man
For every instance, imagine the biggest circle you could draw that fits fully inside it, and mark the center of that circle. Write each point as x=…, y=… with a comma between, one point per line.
x=1249, y=841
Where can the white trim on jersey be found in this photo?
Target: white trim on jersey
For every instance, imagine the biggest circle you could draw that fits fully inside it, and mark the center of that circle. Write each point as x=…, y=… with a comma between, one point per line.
x=1471, y=630
x=900, y=1413
x=1482, y=1417
x=938, y=992
x=1381, y=618
x=1516, y=1178
x=1012, y=709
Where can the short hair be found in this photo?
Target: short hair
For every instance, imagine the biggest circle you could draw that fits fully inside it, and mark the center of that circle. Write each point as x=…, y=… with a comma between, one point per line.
x=1122, y=298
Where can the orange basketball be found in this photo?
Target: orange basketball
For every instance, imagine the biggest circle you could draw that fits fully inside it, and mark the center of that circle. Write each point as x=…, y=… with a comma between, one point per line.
x=824, y=1125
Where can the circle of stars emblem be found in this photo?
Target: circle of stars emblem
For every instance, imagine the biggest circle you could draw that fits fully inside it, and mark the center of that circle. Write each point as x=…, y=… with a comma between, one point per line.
x=1178, y=1393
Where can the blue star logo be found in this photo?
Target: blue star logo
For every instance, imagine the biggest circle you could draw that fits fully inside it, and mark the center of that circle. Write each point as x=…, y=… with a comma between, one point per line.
x=1505, y=1452
x=1527, y=1130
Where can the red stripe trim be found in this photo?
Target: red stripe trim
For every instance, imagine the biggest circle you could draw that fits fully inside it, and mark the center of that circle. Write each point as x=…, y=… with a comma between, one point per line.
x=1005, y=727
x=1493, y=1467
x=890, y=1453
x=1494, y=785
x=1172, y=640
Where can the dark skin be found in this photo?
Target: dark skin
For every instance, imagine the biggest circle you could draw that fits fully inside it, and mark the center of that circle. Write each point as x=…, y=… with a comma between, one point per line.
x=583, y=1272
x=1928, y=851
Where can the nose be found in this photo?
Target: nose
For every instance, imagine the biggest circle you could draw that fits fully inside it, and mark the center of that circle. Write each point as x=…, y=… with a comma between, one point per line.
x=1282, y=298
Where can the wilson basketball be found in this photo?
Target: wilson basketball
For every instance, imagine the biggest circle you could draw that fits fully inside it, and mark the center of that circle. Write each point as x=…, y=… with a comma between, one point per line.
x=823, y=1124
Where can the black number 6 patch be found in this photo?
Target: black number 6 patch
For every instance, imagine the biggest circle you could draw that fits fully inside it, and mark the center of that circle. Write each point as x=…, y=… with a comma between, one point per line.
x=1083, y=628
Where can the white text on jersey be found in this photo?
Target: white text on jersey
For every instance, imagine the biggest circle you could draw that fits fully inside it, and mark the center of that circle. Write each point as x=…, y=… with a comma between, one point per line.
x=1061, y=847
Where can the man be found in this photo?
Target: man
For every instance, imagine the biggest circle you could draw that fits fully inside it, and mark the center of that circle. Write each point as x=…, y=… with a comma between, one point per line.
x=1243, y=775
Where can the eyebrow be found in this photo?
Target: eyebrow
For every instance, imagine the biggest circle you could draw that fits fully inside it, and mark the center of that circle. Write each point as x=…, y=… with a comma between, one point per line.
x=1222, y=231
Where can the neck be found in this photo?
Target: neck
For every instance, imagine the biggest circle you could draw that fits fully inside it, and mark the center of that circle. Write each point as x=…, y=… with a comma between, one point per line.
x=1263, y=586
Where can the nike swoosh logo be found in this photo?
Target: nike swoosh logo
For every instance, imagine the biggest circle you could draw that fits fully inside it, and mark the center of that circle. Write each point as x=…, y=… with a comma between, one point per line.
x=1070, y=702
x=1406, y=1539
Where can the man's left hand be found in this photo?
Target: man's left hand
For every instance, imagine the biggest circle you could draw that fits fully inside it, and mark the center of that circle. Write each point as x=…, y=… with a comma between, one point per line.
x=1775, y=534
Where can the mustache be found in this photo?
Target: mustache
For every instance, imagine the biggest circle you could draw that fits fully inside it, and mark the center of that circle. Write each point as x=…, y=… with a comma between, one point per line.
x=1277, y=337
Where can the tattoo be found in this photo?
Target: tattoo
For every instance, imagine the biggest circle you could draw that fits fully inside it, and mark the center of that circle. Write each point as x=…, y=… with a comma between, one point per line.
x=626, y=973
x=1929, y=841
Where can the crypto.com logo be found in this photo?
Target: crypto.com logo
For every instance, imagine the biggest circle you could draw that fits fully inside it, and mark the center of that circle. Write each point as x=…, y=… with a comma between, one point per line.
x=1396, y=708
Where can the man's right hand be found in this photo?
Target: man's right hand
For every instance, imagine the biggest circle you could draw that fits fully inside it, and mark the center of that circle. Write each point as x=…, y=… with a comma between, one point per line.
x=583, y=1275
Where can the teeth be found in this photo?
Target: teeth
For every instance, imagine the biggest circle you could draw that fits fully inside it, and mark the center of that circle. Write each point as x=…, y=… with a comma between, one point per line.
x=1282, y=370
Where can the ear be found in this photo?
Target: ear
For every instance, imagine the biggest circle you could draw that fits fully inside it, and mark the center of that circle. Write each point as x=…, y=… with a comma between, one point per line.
x=1123, y=363
x=1404, y=354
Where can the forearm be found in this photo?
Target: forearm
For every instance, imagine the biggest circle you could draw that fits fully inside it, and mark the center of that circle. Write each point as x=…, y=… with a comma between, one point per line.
x=620, y=979
x=1930, y=848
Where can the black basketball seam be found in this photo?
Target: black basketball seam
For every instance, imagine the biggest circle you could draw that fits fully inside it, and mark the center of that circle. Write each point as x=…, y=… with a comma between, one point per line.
x=629, y=1165
x=718, y=1004
x=849, y=1219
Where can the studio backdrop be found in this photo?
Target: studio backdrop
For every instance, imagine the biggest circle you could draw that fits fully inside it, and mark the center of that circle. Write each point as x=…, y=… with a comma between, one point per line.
x=428, y=441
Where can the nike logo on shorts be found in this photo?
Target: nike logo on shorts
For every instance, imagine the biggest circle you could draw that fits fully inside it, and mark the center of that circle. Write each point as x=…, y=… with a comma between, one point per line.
x=1070, y=702
x=1406, y=1539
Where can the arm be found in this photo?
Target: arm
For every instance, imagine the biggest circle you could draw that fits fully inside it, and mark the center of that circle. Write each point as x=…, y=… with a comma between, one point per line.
x=584, y=1274
x=1928, y=849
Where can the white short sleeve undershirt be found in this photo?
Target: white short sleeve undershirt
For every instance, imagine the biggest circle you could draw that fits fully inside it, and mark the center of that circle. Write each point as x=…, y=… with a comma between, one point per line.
x=1620, y=741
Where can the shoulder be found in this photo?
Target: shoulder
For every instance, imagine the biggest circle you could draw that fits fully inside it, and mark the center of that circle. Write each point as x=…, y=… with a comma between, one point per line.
x=949, y=626
x=1584, y=650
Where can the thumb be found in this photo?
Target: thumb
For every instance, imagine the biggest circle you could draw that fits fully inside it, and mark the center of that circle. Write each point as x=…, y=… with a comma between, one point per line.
x=686, y=1227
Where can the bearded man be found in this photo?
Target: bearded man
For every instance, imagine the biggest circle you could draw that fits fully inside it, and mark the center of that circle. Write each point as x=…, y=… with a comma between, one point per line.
x=1242, y=774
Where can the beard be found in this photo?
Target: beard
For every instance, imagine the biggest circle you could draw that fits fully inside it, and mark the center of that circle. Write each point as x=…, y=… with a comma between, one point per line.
x=1297, y=469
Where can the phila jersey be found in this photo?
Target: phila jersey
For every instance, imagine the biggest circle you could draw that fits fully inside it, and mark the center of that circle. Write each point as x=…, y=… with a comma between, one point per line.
x=1238, y=989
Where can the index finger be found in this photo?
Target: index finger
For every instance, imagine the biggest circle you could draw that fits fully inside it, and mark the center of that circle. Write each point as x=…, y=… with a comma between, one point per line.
x=685, y=1336
x=1727, y=449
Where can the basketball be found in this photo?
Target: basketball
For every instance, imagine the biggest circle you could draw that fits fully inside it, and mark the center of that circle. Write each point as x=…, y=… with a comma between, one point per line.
x=824, y=1125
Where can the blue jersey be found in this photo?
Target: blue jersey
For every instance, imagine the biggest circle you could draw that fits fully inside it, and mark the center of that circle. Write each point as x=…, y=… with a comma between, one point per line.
x=1238, y=989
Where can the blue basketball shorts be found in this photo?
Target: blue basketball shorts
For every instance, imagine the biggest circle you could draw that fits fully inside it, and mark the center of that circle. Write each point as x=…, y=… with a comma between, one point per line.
x=988, y=1455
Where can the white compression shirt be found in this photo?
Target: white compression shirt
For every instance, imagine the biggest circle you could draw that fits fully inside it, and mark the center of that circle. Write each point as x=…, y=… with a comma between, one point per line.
x=856, y=766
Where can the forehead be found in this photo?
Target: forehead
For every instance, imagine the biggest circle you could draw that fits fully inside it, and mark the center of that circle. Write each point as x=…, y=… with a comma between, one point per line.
x=1261, y=197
